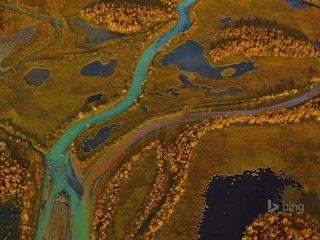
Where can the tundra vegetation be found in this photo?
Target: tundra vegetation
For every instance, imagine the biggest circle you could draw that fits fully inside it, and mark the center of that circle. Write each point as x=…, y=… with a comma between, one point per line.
x=176, y=157
x=314, y=2
x=287, y=65
x=283, y=224
x=21, y=171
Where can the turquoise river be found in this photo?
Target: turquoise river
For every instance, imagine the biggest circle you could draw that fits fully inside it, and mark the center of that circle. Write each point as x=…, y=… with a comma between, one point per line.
x=59, y=176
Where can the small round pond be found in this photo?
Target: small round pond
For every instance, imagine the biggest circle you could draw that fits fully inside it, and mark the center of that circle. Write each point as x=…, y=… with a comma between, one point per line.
x=37, y=76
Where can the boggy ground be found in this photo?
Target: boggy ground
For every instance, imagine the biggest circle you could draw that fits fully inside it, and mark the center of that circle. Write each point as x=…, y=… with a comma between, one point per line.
x=273, y=75
x=39, y=111
x=64, y=94
x=231, y=151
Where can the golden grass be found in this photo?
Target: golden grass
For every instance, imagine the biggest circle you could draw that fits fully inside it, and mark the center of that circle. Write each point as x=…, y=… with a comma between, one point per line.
x=231, y=151
x=132, y=197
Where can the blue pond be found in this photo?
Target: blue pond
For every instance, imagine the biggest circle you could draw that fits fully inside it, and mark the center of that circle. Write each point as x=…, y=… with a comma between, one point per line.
x=226, y=218
x=316, y=44
x=96, y=35
x=225, y=20
x=186, y=83
x=37, y=76
x=190, y=57
x=94, y=141
x=96, y=68
x=94, y=98
x=297, y=4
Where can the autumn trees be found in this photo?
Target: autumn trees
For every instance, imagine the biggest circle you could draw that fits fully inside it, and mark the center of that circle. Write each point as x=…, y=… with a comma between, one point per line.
x=253, y=41
x=173, y=162
x=109, y=194
x=155, y=196
x=121, y=16
x=314, y=2
x=287, y=225
x=178, y=155
x=20, y=181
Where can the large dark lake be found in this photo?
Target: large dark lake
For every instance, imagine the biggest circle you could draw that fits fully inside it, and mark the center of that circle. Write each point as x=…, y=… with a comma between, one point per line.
x=235, y=201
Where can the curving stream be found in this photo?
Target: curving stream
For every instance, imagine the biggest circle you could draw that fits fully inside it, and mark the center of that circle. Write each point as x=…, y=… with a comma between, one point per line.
x=59, y=176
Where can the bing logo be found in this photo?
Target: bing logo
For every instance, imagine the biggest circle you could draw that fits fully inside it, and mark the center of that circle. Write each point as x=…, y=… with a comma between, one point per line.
x=273, y=207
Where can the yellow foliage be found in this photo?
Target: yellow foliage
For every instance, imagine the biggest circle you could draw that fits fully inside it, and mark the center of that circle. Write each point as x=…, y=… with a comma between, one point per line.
x=179, y=155
x=283, y=225
x=314, y=2
x=260, y=42
x=108, y=197
x=16, y=184
x=126, y=17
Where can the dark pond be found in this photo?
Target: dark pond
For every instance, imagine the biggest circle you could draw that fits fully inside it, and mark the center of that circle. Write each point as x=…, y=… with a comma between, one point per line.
x=96, y=35
x=94, y=98
x=190, y=57
x=316, y=44
x=37, y=76
x=186, y=83
x=300, y=4
x=297, y=4
x=173, y=92
x=229, y=91
x=96, y=68
x=225, y=20
x=9, y=221
x=94, y=141
x=234, y=201
x=144, y=108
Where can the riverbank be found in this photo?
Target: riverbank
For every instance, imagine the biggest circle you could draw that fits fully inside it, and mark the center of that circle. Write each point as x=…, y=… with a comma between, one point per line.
x=296, y=115
x=114, y=153
x=60, y=176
